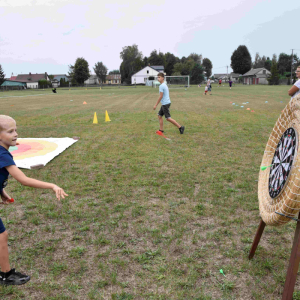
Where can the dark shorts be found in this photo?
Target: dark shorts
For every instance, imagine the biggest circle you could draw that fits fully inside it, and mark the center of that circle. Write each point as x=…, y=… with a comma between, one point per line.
x=165, y=111
x=2, y=228
x=209, y=89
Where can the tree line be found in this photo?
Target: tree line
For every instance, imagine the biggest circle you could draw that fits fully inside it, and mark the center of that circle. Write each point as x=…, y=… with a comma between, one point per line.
x=193, y=65
x=280, y=68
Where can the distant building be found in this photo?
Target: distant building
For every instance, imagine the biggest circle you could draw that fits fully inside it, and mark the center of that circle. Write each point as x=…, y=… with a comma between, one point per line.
x=93, y=80
x=32, y=80
x=146, y=74
x=234, y=76
x=256, y=76
x=113, y=79
x=13, y=84
x=224, y=77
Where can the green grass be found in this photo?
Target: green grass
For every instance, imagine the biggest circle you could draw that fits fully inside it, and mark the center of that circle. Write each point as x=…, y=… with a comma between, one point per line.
x=146, y=218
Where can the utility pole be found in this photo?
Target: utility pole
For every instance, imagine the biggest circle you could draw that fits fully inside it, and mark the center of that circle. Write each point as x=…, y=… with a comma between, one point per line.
x=227, y=72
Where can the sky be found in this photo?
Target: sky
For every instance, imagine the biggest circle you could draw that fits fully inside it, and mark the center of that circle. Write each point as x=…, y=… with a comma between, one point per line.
x=41, y=36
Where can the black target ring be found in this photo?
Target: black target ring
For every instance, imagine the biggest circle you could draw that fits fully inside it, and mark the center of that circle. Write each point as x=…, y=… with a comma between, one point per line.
x=282, y=162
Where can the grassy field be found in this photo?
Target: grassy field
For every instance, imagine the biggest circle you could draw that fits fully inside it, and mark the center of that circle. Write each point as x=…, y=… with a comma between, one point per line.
x=147, y=218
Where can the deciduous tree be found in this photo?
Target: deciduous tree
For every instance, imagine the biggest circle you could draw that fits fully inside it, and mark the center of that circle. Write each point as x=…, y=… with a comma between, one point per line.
x=241, y=60
x=207, y=65
x=80, y=71
x=273, y=79
x=171, y=60
x=268, y=64
x=101, y=71
x=132, y=62
x=156, y=59
x=197, y=74
x=114, y=72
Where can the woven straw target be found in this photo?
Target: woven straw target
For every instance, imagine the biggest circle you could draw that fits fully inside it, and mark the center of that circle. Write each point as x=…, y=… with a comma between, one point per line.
x=283, y=195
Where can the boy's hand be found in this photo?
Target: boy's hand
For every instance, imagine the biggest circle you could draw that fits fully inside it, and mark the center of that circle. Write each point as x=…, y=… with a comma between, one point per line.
x=60, y=193
x=154, y=107
x=5, y=197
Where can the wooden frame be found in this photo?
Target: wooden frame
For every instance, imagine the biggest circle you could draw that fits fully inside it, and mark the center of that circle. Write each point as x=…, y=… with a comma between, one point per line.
x=293, y=267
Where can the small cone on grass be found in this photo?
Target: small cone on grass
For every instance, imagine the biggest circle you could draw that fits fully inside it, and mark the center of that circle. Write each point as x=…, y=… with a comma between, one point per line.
x=84, y=102
x=95, y=119
x=107, y=119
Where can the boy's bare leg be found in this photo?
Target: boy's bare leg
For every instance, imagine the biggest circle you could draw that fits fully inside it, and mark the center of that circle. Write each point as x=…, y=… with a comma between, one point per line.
x=173, y=122
x=4, y=258
x=161, y=123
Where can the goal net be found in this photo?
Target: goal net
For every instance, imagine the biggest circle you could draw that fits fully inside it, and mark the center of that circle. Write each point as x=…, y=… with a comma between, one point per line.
x=174, y=81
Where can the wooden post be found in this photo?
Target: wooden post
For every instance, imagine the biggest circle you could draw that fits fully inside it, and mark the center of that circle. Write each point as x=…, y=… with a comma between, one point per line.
x=256, y=240
x=292, y=271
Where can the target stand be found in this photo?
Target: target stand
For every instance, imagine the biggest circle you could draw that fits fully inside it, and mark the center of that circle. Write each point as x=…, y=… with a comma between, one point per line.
x=292, y=271
x=279, y=185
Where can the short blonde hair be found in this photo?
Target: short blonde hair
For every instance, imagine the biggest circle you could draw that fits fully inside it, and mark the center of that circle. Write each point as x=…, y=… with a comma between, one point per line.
x=3, y=121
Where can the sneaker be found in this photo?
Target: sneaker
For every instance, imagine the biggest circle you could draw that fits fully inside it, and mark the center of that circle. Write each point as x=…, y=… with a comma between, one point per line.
x=13, y=278
x=181, y=129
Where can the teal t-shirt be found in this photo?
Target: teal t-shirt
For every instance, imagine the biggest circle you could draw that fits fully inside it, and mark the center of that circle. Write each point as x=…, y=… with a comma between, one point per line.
x=166, y=98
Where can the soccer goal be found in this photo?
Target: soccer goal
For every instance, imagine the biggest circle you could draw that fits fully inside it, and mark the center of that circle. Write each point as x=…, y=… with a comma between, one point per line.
x=174, y=81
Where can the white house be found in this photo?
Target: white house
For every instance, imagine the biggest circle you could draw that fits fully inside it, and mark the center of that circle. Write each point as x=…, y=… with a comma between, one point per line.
x=256, y=76
x=92, y=80
x=142, y=76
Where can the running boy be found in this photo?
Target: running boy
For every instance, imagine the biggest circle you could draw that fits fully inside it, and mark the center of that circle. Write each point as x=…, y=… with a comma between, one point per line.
x=8, y=137
x=164, y=98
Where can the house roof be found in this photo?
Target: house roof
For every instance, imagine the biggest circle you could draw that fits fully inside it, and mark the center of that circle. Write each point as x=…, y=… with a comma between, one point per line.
x=8, y=82
x=234, y=74
x=221, y=75
x=31, y=77
x=253, y=71
x=157, y=68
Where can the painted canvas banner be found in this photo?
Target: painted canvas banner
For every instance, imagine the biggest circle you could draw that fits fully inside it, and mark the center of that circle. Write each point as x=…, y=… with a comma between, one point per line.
x=31, y=152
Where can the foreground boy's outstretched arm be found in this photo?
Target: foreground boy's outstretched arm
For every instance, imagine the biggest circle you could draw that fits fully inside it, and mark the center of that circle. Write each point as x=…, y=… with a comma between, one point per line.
x=17, y=174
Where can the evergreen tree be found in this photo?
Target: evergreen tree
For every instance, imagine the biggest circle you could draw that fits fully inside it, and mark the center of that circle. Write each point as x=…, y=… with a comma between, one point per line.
x=2, y=75
x=197, y=74
x=273, y=79
x=241, y=60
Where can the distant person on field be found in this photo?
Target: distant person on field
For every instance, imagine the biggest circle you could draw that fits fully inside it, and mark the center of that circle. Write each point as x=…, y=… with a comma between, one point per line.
x=164, y=98
x=208, y=84
x=206, y=90
x=8, y=137
x=230, y=83
x=295, y=89
x=220, y=82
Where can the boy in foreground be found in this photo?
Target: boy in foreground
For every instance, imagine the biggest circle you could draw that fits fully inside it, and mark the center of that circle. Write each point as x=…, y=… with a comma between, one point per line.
x=164, y=98
x=8, y=137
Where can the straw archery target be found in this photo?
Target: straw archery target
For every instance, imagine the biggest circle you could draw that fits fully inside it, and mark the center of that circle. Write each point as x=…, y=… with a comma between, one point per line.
x=32, y=152
x=279, y=186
